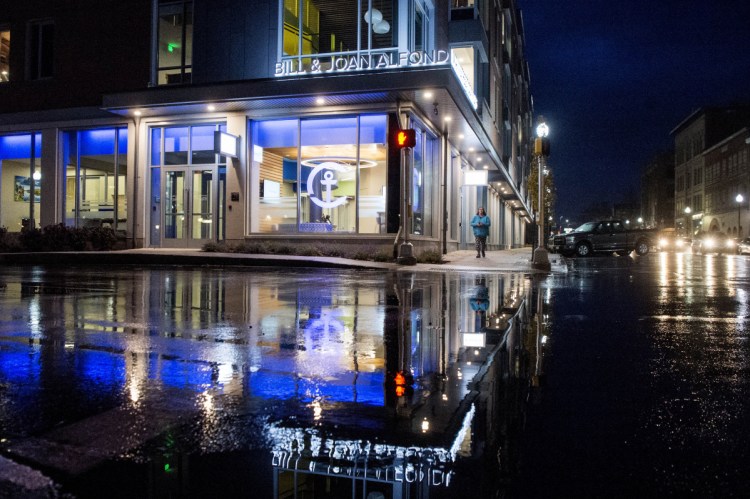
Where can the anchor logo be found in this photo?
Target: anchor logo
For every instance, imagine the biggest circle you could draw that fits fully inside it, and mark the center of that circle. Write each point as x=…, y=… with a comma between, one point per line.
x=328, y=182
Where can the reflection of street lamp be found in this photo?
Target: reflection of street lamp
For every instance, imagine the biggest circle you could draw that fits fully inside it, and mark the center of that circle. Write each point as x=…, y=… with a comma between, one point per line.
x=739, y=200
x=35, y=177
x=541, y=149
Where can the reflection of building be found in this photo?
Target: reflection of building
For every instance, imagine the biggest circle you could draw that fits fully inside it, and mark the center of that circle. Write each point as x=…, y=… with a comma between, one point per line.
x=316, y=360
x=123, y=129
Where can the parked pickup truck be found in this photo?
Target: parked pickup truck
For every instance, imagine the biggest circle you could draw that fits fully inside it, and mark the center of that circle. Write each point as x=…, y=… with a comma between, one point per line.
x=605, y=236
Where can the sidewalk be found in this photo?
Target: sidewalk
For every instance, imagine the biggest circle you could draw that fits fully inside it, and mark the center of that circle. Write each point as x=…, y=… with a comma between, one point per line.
x=513, y=260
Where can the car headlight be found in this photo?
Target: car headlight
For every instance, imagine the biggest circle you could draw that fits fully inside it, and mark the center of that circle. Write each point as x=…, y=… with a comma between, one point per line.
x=709, y=242
x=730, y=243
x=570, y=239
x=679, y=243
x=663, y=242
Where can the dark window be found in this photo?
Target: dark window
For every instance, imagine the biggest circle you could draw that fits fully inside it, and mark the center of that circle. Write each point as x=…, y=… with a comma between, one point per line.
x=41, y=43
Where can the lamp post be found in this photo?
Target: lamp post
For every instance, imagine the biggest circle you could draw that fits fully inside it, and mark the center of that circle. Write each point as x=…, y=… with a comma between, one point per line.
x=688, y=220
x=541, y=149
x=739, y=200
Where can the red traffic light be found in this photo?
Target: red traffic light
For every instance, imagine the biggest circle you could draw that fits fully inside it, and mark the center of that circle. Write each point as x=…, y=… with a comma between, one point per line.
x=405, y=138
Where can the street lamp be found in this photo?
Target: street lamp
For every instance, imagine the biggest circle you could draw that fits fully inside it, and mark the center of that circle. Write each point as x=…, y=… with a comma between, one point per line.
x=687, y=219
x=739, y=200
x=541, y=149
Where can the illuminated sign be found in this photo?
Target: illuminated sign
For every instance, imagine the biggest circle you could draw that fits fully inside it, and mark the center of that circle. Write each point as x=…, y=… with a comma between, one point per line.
x=328, y=183
x=473, y=339
x=476, y=177
x=358, y=62
x=226, y=144
x=465, y=83
x=405, y=138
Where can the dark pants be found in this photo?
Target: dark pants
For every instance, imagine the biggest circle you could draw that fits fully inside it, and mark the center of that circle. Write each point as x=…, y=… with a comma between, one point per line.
x=481, y=244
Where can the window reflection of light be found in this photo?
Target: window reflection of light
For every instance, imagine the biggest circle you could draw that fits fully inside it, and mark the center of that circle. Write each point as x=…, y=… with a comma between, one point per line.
x=134, y=391
x=731, y=270
x=709, y=274
x=35, y=317
x=207, y=402
x=226, y=373
x=317, y=409
x=663, y=269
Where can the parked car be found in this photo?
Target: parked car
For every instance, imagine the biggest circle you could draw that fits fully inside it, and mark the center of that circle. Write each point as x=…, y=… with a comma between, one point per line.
x=743, y=247
x=713, y=242
x=604, y=236
x=669, y=241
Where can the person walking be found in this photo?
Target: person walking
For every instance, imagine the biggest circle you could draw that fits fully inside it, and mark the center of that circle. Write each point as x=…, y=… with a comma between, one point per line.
x=480, y=223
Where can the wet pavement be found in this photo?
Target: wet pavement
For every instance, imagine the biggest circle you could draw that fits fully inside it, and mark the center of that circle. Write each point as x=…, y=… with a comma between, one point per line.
x=610, y=376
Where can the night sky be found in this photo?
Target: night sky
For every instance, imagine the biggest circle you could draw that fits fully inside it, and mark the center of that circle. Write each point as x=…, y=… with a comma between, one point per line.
x=613, y=79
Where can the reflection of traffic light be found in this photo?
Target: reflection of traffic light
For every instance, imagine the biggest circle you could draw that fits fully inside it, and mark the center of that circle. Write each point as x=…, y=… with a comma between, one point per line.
x=400, y=382
x=405, y=138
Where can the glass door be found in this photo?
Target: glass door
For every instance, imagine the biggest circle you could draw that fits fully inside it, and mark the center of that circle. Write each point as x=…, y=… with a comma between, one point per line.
x=190, y=207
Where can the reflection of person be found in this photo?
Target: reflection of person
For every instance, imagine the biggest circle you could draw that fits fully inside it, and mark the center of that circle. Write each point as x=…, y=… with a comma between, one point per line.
x=480, y=303
x=481, y=225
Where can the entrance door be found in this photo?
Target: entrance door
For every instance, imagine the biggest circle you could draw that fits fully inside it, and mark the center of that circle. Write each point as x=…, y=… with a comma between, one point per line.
x=189, y=213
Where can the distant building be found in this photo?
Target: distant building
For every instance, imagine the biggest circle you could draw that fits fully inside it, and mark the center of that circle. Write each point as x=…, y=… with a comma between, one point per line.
x=701, y=130
x=183, y=122
x=726, y=175
x=657, y=192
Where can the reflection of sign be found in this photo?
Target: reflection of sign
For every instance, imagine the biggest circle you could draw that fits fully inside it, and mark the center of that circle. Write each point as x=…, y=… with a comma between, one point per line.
x=366, y=62
x=328, y=183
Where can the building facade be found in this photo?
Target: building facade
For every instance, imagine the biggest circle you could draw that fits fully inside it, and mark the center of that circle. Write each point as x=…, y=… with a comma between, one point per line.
x=183, y=122
x=699, y=132
x=657, y=192
x=727, y=176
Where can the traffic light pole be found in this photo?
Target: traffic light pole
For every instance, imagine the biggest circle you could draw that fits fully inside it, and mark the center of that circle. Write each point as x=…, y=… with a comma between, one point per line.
x=406, y=250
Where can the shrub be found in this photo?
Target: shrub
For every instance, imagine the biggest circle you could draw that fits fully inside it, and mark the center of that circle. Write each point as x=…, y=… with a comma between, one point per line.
x=100, y=238
x=217, y=248
x=430, y=256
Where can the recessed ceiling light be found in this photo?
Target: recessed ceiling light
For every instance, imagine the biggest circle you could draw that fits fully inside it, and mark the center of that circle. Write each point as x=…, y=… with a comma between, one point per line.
x=447, y=118
x=428, y=95
x=460, y=136
x=471, y=149
x=320, y=101
x=137, y=113
x=211, y=107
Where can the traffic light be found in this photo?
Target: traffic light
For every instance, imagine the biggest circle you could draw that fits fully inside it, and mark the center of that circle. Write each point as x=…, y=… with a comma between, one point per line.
x=404, y=138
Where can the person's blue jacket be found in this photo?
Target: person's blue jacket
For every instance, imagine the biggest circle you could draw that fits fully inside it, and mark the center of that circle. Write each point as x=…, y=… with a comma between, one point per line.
x=481, y=225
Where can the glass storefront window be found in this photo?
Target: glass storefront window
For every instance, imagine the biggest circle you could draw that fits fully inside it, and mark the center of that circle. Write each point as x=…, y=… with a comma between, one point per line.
x=20, y=158
x=328, y=175
x=334, y=177
x=275, y=152
x=425, y=162
x=95, y=175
